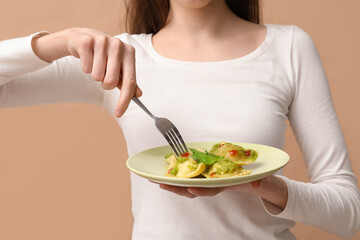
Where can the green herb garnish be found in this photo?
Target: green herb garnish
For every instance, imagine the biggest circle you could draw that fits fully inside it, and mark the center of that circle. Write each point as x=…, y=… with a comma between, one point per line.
x=205, y=158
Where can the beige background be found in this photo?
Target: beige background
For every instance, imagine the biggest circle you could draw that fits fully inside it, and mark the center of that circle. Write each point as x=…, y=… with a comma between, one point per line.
x=62, y=167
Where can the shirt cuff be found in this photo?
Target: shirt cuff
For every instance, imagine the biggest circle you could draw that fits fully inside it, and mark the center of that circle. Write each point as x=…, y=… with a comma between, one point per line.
x=18, y=54
x=276, y=211
x=29, y=52
x=17, y=57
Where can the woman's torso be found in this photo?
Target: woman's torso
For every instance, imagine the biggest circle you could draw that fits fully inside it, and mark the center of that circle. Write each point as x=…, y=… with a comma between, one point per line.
x=240, y=100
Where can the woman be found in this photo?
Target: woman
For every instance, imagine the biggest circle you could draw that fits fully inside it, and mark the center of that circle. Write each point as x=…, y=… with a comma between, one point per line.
x=228, y=78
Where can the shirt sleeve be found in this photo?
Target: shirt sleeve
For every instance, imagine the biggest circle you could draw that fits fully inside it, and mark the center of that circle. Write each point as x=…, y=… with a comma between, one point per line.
x=27, y=80
x=331, y=200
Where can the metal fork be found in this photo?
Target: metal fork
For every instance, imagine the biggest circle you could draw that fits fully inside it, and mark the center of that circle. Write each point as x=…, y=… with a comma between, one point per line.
x=167, y=129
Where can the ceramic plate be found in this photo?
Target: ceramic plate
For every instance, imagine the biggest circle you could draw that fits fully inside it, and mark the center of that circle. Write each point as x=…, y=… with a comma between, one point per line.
x=151, y=165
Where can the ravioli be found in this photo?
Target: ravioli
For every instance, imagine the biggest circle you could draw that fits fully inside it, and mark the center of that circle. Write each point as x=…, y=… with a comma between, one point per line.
x=225, y=168
x=184, y=167
x=223, y=160
x=235, y=153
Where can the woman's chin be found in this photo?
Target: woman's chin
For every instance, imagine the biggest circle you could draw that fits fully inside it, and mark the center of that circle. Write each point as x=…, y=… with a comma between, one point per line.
x=192, y=4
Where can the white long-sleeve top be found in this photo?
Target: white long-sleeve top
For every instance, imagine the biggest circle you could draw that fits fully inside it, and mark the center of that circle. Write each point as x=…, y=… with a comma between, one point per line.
x=247, y=99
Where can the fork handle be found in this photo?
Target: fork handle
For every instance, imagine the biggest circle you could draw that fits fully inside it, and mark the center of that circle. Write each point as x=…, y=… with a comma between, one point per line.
x=142, y=106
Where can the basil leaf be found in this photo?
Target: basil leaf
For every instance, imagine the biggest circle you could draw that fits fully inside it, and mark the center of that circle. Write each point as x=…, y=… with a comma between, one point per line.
x=205, y=158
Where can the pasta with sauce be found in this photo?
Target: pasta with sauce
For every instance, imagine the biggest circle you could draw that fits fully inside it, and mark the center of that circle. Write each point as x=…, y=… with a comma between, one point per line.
x=223, y=160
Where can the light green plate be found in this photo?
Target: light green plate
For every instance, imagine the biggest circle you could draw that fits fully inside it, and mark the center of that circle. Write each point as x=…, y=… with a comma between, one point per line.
x=151, y=164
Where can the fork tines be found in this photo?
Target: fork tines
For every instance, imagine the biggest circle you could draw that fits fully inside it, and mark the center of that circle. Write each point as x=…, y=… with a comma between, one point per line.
x=176, y=142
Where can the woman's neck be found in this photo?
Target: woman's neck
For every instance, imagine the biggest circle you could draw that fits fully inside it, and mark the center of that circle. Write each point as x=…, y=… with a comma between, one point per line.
x=207, y=33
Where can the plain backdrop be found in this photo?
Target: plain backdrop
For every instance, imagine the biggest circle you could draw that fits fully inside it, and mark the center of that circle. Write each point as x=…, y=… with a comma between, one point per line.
x=62, y=166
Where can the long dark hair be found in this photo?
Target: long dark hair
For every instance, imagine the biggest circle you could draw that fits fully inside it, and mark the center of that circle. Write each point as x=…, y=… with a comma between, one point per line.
x=149, y=16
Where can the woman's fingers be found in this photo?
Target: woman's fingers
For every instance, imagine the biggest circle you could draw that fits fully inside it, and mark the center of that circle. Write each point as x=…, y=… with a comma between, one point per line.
x=182, y=191
x=128, y=83
x=205, y=192
x=100, y=59
x=192, y=192
x=86, y=53
x=256, y=184
x=113, y=67
x=138, y=91
x=254, y=187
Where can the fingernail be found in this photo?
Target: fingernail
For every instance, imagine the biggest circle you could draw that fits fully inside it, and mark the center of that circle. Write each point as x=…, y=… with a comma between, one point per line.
x=256, y=184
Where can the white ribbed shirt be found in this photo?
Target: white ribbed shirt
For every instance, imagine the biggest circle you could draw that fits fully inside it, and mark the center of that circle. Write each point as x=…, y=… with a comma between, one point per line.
x=248, y=99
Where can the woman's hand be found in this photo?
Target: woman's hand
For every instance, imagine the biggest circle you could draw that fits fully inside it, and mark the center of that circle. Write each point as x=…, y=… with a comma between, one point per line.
x=272, y=189
x=109, y=60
